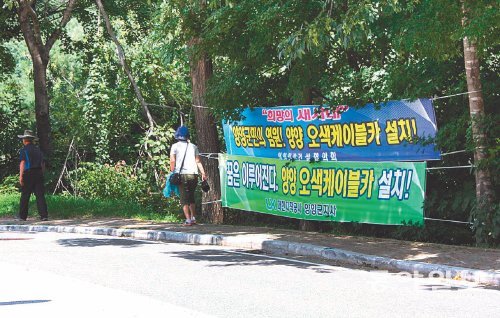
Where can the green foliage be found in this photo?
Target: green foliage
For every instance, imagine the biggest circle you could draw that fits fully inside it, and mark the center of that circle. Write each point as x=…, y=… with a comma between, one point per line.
x=118, y=182
x=154, y=153
x=7, y=62
x=15, y=116
x=485, y=235
x=96, y=181
x=113, y=122
x=489, y=124
x=9, y=185
x=9, y=204
x=68, y=207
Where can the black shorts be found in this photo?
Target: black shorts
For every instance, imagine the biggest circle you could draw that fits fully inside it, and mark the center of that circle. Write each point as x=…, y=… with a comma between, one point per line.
x=188, y=187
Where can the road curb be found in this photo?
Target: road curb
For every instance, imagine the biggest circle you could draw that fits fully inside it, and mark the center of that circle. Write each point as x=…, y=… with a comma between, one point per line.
x=280, y=247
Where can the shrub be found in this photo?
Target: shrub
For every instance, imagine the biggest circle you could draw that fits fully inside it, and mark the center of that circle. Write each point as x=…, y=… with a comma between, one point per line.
x=9, y=184
x=119, y=182
x=97, y=181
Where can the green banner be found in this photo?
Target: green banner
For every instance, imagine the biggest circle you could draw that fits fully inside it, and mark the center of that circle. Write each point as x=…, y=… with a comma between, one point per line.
x=365, y=192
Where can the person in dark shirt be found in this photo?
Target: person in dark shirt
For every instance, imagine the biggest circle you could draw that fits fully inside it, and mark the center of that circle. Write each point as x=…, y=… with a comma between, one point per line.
x=31, y=169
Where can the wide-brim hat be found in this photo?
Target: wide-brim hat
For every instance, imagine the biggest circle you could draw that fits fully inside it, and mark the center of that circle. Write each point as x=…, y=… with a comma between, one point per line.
x=28, y=134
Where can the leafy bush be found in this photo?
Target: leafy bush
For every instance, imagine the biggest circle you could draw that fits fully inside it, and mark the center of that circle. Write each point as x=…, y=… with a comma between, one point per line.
x=9, y=184
x=97, y=181
x=119, y=182
x=487, y=231
x=9, y=204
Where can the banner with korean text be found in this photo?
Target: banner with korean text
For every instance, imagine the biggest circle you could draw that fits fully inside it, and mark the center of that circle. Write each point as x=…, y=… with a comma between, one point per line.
x=398, y=131
x=365, y=192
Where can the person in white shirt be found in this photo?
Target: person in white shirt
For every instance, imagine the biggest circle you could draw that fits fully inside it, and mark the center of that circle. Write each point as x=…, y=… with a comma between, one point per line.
x=185, y=159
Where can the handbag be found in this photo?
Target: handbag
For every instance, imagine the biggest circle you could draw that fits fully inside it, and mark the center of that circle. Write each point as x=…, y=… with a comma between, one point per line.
x=205, y=186
x=175, y=178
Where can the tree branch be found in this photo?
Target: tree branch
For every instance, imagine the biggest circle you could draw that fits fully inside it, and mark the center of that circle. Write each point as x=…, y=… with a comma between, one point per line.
x=36, y=25
x=28, y=33
x=65, y=19
x=123, y=62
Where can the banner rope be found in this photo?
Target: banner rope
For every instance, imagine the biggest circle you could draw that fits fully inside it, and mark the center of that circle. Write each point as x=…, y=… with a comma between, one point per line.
x=199, y=106
x=453, y=167
x=432, y=98
x=448, y=96
x=454, y=152
x=210, y=202
x=451, y=221
x=210, y=155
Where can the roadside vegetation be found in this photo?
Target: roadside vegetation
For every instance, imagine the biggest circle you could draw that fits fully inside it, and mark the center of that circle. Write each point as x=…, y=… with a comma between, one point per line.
x=108, y=148
x=102, y=191
x=67, y=207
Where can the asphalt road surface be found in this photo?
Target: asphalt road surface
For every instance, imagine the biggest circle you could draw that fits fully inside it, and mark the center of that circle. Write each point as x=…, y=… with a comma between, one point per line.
x=71, y=275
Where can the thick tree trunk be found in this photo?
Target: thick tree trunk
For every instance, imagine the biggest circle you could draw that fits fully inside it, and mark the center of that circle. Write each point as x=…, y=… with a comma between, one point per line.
x=40, y=54
x=485, y=194
x=206, y=130
x=42, y=105
x=484, y=189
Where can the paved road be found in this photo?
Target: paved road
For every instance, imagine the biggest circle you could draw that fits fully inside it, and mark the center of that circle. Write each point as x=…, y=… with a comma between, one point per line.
x=63, y=275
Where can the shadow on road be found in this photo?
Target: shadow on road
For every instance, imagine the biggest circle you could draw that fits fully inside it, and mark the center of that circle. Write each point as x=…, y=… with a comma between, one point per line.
x=218, y=258
x=93, y=242
x=460, y=256
x=23, y=302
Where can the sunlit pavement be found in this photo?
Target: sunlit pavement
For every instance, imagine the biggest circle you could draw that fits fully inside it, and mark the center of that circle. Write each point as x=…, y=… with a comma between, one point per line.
x=62, y=275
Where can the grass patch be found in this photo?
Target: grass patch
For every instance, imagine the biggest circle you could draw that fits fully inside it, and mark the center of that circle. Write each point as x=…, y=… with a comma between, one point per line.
x=66, y=207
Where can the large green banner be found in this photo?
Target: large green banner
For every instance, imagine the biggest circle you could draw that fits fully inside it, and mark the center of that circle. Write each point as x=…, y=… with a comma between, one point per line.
x=366, y=192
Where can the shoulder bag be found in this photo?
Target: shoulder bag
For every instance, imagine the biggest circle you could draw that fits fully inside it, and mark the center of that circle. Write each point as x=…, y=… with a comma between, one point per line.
x=175, y=178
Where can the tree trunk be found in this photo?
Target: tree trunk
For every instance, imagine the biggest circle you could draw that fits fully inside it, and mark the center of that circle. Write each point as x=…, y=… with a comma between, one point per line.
x=485, y=194
x=40, y=54
x=484, y=189
x=30, y=27
x=42, y=105
x=206, y=130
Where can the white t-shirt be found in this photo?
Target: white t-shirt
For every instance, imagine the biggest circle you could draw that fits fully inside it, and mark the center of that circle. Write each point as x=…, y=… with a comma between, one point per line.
x=178, y=150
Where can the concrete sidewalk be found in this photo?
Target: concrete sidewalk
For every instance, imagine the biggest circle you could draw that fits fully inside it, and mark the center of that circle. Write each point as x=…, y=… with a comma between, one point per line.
x=454, y=262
